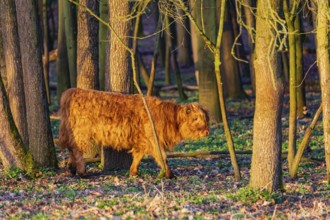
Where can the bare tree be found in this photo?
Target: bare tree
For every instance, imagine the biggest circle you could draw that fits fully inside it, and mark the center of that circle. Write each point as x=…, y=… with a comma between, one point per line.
x=13, y=151
x=87, y=46
x=41, y=142
x=267, y=137
x=322, y=36
x=119, y=73
x=14, y=71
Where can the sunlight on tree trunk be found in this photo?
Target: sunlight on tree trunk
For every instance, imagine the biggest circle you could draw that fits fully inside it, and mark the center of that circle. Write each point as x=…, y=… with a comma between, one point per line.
x=267, y=137
x=13, y=152
x=87, y=46
x=289, y=17
x=14, y=71
x=119, y=74
x=41, y=142
x=322, y=35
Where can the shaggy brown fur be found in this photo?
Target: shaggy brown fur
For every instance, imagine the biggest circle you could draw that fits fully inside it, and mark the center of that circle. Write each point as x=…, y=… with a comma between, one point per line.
x=121, y=122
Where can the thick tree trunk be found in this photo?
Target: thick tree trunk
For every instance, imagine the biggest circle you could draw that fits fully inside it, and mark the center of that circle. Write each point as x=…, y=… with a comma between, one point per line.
x=119, y=74
x=62, y=63
x=87, y=46
x=13, y=152
x=40, y=137
x=87, y=55
x=14, y=71
x=266, y=164
x=208, y=90
x=322, y=36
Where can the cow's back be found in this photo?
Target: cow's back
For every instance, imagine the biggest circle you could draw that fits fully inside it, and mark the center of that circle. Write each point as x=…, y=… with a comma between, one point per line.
x=100, y=118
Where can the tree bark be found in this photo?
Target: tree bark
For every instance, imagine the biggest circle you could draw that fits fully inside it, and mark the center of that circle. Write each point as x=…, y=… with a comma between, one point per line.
x=183, y=39
x=62, y=63
x=194, y=45
x=322, y=52
x=14, y=71
x=103, y=41
x=217, y=63
x=40, y=137
x=250, y=23
x=301, y=94
x=119, y=74
x=87, y=46
x=70, y=30
x=267, y=138
x=289, y=17
x=208, y=90
x=45, y=40
x=13, y=151
x=230, y=69
x=87, y=55
x=2, y=61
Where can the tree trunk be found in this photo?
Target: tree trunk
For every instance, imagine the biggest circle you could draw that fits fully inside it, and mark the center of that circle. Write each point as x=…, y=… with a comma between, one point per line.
x=250, y=23
x=40, y=136
x=267, y=138
x=231, y=75
x=87, y=46
x=87, y=56
x=14, y=71
x=208, y=90
x=13, y=152
x=2, y=61
x=62, y=63
x=103, y=41
x=301, y=96
x=217, y=63
x=183, y=39
x=119, y=74
x=289, y=17
x=45, y=55
x=322, y=36
x=194, y=45
x=70, y=26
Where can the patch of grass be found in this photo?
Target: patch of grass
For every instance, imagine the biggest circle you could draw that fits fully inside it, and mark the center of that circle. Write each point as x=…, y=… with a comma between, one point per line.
x=14, y=173
x=40, y=216
x=249, y=196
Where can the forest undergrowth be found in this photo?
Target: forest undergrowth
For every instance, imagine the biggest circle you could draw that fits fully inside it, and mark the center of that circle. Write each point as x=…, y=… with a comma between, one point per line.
x=204, y=187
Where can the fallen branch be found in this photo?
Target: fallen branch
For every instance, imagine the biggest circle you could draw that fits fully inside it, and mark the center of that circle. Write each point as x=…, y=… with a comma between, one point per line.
x=208, y=155
x=175, y=87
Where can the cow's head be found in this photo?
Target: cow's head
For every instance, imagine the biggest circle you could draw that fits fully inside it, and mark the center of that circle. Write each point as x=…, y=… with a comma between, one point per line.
x=193, y=121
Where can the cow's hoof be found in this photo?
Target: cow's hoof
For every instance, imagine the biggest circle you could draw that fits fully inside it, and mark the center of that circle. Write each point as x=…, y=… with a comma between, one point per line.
x=169, y=174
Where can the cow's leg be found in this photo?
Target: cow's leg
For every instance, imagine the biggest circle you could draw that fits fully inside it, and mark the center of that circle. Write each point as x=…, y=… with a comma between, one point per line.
x=137, y=157
x=80, y=164
x=72, y=163
x=162, y=163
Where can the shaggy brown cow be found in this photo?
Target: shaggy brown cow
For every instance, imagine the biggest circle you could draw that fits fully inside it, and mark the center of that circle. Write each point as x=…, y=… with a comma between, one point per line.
x=121, y=122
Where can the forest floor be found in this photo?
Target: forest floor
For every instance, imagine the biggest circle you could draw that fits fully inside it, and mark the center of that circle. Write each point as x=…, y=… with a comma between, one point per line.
x=204, y=188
